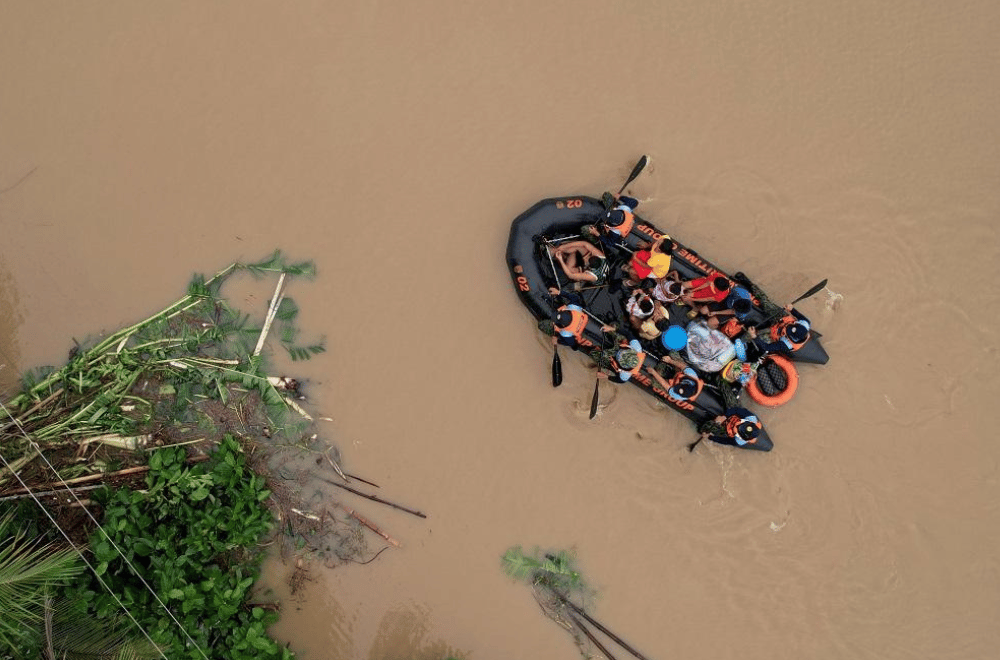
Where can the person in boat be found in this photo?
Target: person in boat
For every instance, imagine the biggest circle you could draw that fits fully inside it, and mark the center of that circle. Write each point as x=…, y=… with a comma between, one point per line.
x=622, y=361
x=653, y=261
x=582, y=262
x=737, y=427
x=654, y=326
x=613, y=227
x=646, y=315
x=791, y=330
x=569, y=321
x=709, y=289
x=786, y=336
x=639, y=306
x=734, y=311
x=685, y=385
x=669, y=289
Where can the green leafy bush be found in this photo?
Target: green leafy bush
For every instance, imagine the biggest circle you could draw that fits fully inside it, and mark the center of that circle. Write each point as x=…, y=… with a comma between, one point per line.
x=191, y=536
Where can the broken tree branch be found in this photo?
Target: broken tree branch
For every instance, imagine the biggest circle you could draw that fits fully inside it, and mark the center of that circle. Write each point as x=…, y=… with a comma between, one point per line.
x=367, y=524
x=374, y=499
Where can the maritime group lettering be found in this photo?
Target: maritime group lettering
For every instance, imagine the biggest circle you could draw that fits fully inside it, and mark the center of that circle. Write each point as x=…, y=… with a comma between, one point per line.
x=695, y=260
x=648, y=382
x=652, y=232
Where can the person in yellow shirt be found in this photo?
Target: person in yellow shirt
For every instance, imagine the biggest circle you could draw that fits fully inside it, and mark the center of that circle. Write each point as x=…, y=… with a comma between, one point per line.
x=653, y=262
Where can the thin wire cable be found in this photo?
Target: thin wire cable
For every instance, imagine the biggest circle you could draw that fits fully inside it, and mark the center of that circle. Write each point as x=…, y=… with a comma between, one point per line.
x=80, y=552
x=37, y=448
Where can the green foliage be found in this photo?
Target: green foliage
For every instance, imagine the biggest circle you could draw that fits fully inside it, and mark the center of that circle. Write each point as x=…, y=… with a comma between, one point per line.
x=555, y=569
x=78, y=635
x=187, y=536
x=199, y=347
x=29, y=571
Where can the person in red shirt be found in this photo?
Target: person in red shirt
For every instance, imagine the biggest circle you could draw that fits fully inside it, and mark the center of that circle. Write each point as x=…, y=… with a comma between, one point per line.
x=708, y=289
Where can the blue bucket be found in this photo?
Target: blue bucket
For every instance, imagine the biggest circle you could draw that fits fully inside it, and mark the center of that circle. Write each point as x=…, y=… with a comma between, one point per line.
x=675, y=338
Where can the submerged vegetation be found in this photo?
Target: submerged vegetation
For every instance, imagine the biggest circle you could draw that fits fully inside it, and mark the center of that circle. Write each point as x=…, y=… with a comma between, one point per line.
x=165, y=426
x=558, y=587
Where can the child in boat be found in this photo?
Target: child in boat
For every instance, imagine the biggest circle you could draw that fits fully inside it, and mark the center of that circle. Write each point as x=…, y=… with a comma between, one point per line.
x=647, y=316
x=669, y=289
x=582, y=262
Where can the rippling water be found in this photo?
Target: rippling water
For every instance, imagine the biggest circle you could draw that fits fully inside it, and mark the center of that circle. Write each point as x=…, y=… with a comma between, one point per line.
x=394, y=143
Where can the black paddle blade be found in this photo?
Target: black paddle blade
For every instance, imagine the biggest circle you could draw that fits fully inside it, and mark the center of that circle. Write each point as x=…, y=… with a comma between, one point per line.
x=635, y=172
x=693, y=444
x=593, y=402
x=556, y=368
x=811, y=292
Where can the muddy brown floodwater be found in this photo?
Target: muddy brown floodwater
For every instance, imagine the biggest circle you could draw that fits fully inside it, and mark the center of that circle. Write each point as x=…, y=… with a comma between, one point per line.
x=393, y=143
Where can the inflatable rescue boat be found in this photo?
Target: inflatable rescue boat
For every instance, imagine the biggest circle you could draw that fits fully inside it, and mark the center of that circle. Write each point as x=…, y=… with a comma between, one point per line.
x=769, y=380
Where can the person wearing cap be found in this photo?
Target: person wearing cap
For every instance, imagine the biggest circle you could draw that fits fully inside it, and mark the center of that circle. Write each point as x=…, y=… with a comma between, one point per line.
x=567, y=325
x=622, y=361
x=674, y=340
x=736, y=427
x=792, y=330
x=613, y=226
x=582, y=262
x=685, y=385
x=621, y=218
x=570, y=319
x=739, y=371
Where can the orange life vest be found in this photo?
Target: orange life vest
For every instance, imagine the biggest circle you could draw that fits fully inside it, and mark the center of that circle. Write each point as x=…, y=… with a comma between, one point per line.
x=733, y=422
x=680, y=375
x=625, y=227
x=577, y=324
x=779, y=331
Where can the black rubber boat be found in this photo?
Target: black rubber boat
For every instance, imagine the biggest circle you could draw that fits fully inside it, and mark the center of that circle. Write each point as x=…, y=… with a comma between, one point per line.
x=533, y=272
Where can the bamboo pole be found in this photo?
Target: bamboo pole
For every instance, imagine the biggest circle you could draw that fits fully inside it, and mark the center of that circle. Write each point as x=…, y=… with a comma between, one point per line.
x=272, y=310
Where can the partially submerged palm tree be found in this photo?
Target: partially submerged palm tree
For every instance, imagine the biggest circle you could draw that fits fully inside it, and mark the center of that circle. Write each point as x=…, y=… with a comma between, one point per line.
x=29, y=572
x=556, y=584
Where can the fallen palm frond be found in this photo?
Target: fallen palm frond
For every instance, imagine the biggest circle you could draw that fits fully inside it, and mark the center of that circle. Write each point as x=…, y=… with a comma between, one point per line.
x=149, y=384
x=28, y=569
